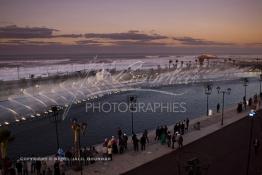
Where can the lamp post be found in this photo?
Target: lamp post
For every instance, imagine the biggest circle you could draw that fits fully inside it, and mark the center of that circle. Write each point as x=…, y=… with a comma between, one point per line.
x=55, y=118
x=245, y=84
x=260, y=80
x=223, y=92
x=132, y=104
x=78, y=128
x=251, y=115
x=208, y=91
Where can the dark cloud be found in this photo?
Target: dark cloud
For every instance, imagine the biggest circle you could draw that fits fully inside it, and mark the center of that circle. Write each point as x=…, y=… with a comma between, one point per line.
x=28, y=42
x=139, y=43
x=14, y=31
x=195, y=41
x=89, y=42
x=68, y=36
x=119, y=43
x=130, y=35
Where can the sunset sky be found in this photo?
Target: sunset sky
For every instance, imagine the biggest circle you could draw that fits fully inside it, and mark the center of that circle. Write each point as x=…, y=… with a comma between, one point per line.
x=43, y=26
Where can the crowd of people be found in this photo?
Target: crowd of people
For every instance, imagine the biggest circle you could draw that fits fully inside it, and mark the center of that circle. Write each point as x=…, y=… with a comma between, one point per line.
x=165, y=137
x=119, y=145
x=33, y=167
x=251, y=103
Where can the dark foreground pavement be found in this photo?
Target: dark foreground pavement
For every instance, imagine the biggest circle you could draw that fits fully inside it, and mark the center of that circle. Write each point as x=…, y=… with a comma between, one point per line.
x=224, y=152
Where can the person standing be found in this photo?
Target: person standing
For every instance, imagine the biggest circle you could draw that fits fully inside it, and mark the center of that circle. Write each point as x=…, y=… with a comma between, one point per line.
x=110, y=152
x=218, y=107
x=25, y=168
x=121, y=145
x=125, y=139
x=143, y=142
x=245, y=102
x=119, y=132
x=57, y=168
x=135, y=142
x=187, y=124
x=157, y=133
x=146, y=135
x=180, y=141
x=174, y=140
x=33, y=166
x=169, y=137
x=38, y=167
x=12, y=170
x=19, y=167
x=114, y=145
x=183, y=128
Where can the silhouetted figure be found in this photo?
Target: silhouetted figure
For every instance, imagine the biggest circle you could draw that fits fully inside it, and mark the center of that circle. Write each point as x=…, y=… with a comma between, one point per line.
x=38, y=167
x=157, y=133
x=180, y=141
x=114, y=145
x=250, y=102
x=187, y=124
x=119, y=132
x=143, y=142
x=146, y=135
x=135, y=142
x=19, y=167
x=176, y=128
x=239, y=107
x=125, y=139
x=110, y=152
x=57, y=168
x=174, y=140
x=25, y=168
x=121, y=145
x=218, y=108
x=245, y=102
x=169, y=137
x=182, y=128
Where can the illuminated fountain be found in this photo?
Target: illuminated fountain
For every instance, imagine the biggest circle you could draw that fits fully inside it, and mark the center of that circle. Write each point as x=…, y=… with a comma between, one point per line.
x=35, y=102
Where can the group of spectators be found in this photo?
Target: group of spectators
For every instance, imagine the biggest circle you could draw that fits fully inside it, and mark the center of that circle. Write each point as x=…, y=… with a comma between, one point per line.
x=163, y=135
x=33, y=167
x=252, y=103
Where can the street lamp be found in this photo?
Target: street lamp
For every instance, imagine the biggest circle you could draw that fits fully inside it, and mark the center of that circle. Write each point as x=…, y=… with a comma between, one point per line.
x=132, y=104
x=260, y=80
x=55, y=118
x=251, y=115
x=78, y=128
x=223, y=92
x=245, y=84
x=208, y=91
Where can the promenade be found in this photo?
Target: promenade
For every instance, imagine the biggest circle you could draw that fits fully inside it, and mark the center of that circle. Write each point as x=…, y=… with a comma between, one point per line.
x=129, y=159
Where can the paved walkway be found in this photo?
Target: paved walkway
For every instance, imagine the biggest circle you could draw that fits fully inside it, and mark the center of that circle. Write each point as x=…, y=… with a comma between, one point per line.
x=130, y=159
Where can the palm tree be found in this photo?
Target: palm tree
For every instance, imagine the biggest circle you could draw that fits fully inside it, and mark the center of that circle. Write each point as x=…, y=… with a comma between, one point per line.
x=5, y=138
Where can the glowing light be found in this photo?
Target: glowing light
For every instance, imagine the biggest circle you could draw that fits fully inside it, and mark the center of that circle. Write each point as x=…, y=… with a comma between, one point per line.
x=7, y=123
